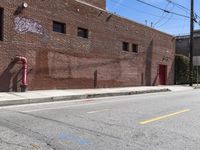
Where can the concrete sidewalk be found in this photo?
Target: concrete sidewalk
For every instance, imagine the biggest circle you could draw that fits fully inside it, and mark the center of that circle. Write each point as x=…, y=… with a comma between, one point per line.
x=16, y=98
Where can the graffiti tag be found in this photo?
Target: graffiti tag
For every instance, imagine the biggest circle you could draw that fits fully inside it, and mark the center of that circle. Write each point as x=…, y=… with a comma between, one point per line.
x=24, y=25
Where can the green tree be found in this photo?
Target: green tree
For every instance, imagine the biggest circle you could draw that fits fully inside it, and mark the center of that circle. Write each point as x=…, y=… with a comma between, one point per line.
x=181, y=69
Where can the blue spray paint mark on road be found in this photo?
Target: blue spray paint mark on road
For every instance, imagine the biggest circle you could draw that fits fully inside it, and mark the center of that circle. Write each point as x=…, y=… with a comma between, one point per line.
x=83, y=142
x=73, y=138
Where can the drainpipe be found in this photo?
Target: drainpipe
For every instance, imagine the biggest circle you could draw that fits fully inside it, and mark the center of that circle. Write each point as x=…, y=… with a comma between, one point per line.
x=23, y=61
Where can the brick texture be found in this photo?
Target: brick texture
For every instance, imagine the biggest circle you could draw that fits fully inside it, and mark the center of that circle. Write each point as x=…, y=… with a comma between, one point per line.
x=61, y=61
x=98, y=3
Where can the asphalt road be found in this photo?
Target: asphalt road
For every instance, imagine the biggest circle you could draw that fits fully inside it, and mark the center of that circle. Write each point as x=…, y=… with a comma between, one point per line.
x=159, y=121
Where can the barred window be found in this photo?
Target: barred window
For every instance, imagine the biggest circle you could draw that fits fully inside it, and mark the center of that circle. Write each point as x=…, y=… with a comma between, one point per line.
x=59, y=27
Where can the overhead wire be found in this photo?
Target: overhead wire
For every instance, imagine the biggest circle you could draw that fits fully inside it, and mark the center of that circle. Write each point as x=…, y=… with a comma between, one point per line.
x=179, y=5
x=130, y=8
x=165, y=11
x=162, y=16
x=144, y=12
x=186, y=10
x=159, y=8
x=167, y=19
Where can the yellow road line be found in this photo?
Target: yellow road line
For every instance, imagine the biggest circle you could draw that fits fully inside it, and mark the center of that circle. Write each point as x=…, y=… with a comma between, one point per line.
x=163, y=117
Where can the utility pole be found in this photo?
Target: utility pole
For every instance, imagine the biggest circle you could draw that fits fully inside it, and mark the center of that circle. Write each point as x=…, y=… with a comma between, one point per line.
x=191, y=42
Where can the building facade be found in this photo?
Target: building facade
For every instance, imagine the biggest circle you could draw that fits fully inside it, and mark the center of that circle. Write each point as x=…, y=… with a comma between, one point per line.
x=78, y=44
x=183, y=44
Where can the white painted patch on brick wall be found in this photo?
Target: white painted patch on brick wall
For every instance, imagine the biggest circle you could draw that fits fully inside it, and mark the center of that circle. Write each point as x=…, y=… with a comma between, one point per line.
x=24, y=25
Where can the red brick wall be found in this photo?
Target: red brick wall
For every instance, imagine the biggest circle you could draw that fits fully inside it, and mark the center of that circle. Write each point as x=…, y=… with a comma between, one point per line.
x=98, y=3
x=59, y=60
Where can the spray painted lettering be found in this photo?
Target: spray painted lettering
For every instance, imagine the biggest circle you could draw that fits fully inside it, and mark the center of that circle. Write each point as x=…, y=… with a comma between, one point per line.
x=24, y=25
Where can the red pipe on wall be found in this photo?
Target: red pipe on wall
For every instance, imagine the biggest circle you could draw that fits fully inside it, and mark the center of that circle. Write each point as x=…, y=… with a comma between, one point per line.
x=23, y=60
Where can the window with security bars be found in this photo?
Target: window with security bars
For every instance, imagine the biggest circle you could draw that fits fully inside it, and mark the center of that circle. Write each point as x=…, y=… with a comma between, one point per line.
x=59, y=27
x=125, y=46
x=82, y=32
x=135, y=48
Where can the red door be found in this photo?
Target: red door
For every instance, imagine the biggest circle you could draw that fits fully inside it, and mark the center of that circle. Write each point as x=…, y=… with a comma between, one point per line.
x=162, y=74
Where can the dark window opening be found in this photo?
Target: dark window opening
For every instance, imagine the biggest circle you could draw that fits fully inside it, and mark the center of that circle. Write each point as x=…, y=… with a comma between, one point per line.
x=59, y=27
x=135, y=48
x=125, y=46
x=1, y=23
x=82, y=32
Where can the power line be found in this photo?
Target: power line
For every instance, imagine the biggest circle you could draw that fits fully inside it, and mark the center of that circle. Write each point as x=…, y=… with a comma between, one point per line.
x=144, y=12
x=179, y=5
x=166, y=20
x=125, y=6
x=162, y=16
x=185, y=9
x=159, y=8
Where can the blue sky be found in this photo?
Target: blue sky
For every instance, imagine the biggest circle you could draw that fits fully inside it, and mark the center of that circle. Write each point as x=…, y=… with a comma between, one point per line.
x=168, y=23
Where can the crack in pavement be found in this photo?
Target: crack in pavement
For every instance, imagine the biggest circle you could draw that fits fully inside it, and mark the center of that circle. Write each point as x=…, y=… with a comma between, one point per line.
x=30, y=133
x=10, y=143
x=71, y=125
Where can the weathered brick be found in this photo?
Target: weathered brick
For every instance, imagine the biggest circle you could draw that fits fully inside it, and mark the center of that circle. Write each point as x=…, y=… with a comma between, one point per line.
x=59, y=60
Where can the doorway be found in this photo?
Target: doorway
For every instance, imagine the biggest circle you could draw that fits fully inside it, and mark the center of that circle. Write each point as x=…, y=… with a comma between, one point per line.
x=162, y=74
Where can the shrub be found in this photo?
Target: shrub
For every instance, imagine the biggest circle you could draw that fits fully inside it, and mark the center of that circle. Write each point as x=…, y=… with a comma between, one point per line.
x=181, y=69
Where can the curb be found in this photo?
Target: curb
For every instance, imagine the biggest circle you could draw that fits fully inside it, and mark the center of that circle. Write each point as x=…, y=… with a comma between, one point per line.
x=75, y=97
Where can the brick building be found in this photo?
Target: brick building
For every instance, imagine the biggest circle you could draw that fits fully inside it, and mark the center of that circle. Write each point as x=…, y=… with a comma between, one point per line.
x=78, y=44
